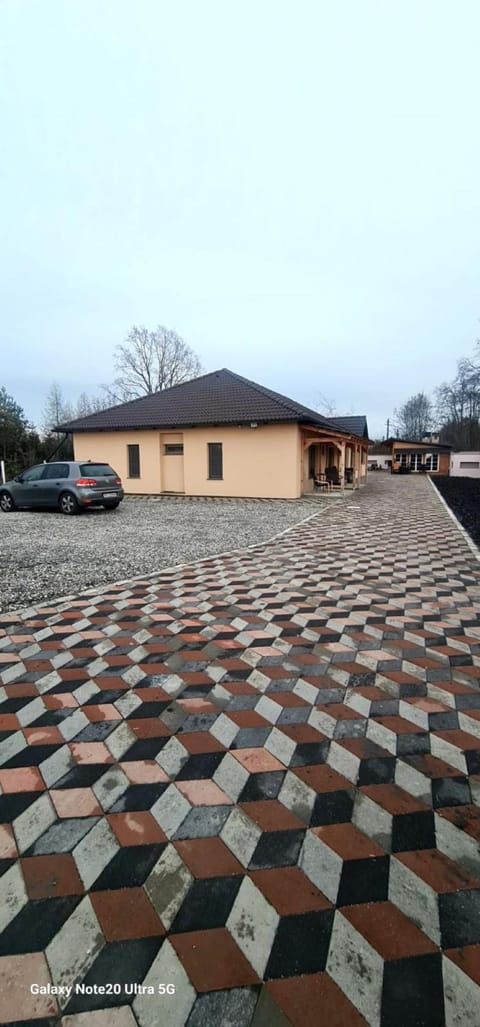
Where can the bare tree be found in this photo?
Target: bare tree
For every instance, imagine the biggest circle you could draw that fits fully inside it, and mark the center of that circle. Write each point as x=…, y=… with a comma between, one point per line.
x=325, y=406
x=458, y=406
x=55, y=410
x=415, y=418
x=150, y=361
x=86, y=405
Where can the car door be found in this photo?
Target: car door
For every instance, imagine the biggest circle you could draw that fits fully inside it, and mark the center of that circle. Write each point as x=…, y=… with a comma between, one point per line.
x=26, y=492
x=51, y=483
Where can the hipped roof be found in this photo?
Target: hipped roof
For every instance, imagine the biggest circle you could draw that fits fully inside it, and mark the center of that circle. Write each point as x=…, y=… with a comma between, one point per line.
x=221, y=397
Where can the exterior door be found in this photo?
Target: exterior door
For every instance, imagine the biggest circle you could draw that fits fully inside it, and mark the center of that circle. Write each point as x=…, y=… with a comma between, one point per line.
x=172, y=464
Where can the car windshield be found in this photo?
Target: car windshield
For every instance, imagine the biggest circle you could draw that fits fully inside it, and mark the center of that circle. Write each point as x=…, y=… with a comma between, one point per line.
x=97, y=470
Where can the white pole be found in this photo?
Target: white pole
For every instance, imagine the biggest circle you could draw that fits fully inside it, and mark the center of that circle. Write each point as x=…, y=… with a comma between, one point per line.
x=2, y=471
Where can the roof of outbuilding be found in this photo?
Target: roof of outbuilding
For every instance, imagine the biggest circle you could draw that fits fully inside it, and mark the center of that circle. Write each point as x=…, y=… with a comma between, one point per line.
x=418, y=443
x=352, y=424
x=221, y=397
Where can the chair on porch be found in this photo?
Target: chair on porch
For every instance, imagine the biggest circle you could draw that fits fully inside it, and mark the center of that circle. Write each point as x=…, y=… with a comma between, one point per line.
x=320, y=481
x=333, y=477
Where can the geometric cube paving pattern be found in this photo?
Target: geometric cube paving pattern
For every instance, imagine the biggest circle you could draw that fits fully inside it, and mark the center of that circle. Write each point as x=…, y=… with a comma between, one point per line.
x=246, y=791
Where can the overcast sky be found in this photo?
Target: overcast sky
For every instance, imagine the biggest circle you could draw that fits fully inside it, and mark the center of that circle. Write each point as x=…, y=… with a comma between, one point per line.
x=293, y=187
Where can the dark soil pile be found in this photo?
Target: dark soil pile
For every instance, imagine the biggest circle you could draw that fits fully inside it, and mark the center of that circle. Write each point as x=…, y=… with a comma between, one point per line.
x=463, y=498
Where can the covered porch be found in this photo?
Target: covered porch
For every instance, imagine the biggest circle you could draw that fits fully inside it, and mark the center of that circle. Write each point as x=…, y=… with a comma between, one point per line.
x=332, y=462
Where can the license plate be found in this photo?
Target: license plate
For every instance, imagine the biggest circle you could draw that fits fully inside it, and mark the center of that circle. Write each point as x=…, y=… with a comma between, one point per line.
x=109, y=495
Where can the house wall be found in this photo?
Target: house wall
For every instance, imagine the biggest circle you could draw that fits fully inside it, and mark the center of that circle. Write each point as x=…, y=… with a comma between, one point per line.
x=257, y=462
x=263, y=462
x=465, y=465
x=382, y=460
x=112, y=447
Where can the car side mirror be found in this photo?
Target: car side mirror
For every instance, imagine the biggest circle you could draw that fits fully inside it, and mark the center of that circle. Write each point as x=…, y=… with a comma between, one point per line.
x=19, y=479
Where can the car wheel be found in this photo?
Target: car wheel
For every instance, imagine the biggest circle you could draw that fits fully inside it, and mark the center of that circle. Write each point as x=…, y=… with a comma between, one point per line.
x=6, y=502
x=111, y=506
x=68, y=504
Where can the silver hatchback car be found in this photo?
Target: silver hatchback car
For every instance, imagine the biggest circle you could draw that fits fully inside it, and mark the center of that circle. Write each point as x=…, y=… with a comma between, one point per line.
x=70, y=486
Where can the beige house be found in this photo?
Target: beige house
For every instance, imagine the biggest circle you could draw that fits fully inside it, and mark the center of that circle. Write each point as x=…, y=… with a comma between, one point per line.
x=222, y=435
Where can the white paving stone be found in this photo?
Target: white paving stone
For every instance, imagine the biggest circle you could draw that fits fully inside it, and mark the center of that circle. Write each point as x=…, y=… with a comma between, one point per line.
x=133, y=676
x=280, y=745
x=172, y=757
x=231, y=777
x=120, y=740
x=224, y=730
x=241, y=835
x=372, y=819
x=297, y=796
x=47, y=682
x=167, y=885
x=94, y=851
x=71, y=726
x=56, y=765
x=321, y=865
x=33, y=822
x=127, y=703
x=170, y=810
x=31, y=712
x=110, y=787
x=462, y=996
x=458, y=845
x=357, y=969
x=267, y=708
x=414, y=898
x=166, y=1010
x=253, y=923
x=85, y=692
x=73, y=950
x=11, y=745
x=13, y=895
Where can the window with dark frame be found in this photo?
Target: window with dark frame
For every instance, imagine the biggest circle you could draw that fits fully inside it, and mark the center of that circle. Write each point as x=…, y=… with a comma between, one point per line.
x=173, y=449
x=133, y=461
x=215, y=461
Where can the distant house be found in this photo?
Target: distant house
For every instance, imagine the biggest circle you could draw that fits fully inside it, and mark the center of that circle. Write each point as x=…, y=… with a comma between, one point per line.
x=378, y=461
x=465, y=464
x=408, y=456
x=221, y=435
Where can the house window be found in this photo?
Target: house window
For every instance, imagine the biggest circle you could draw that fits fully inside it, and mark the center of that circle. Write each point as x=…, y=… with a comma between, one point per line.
x=215, y=461
x=133, y=461
x=173, y=449
x=469, y=463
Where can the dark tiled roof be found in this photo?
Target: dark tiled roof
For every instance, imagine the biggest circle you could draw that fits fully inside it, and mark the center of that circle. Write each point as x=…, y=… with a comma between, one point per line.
x=221, y=397
x=416, y=443
x=351, y=424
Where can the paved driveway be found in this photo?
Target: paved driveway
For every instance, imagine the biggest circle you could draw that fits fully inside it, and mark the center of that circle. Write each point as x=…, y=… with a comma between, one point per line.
x=254, y=780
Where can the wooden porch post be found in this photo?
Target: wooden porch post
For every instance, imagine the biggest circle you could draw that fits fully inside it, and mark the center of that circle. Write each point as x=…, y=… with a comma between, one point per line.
x=341, y=469
x=356, y=467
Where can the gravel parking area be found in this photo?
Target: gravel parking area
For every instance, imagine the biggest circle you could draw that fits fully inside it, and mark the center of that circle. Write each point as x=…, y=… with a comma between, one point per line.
x=44, y=555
